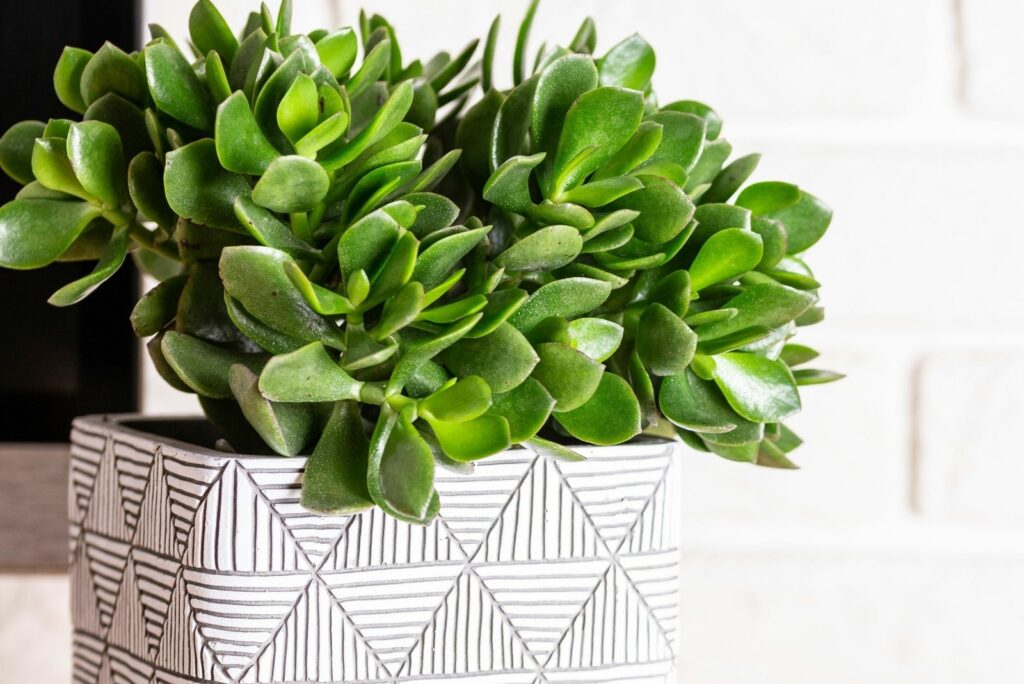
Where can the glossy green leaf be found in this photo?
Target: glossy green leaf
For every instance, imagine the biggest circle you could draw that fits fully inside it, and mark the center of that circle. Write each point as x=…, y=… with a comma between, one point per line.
x=543, y=250
x=16, y=150
x=557, y=88
x=629, y=64
x=501, y=305
x=664, y=342
x=503, y=358
x=759, y=389
x=765, y=304
x=198, y=188
x=334, y=482
x=566, y=298
x=299, y=108
x=473, y=136
x=522, y=39
x=338, y=50
x=726, y=255
x=217, y=77
x=473, y=439
x=373, y=66
x=401, y=468
x=487, y=61
x=67, y=78
x=602, y=192
x=175, y=88
x=805, y=221
x=291, y=184
x=52, y=168
x=110, y=261
x=435, y=212
x=570, y=376
x=112, y=70
x=729, y=179
x=307, y=374
x=703, y=173
x=157, y=307
x=453, y=311
x=35, y=232
x=323, y=134
x=241, y=145
x=596, y=337
x=263, y=335
x=695, y=404
x=608, y=241
x=710, y=116
x=209, y=31
x=635, y=152
x=438, y=260
x=286, y=428
x=682, y=139
x=270, y=232
x=773, y=237
x=509, y=186
x=610, y=416
x=453, y=68
x=736, y=340
x=417, y=354
x=797, y=354
x=664, y=208
x=525, y=408
x=387, y=117
x=400, y=310
x=467, y=399
x=813, y=376
x=203, y=366
x=367, y=243
x=94, y=150
x=767, y=197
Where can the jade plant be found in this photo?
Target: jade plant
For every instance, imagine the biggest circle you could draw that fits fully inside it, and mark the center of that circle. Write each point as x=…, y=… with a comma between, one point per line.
x=394, y=265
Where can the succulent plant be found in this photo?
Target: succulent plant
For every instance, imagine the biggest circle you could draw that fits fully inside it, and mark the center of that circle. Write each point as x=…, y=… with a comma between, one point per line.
x=355, y=265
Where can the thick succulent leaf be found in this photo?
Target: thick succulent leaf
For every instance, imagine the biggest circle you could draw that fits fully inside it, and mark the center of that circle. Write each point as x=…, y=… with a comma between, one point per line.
x=473, y=439
x=548, y=212
x=703, y=173
x=291, y=183
x=739, y=339
x=67, y=78
x=209, y=30
x=557, y=88
x=307, y=374
x=695, y=404
x=112, y=70
x=629, y=64
x=710, y=116
x=596, y=337
x=375, y=186
x=544, y=250
x=286, y=428
x=797, y=354
x=673, y=291
x=270, y=232
x=453, y=68
x=602, y=192
x=338, y=51
x=435, y=212
x=110, y=261
x=729, y=179
x=367, y=242
x=386, y=118
x=522, y=40
x=400, y=475
x=323, y=134
x=241, y=145
x=744, y=453
x=175, y=88
x=473, y=136
x=334, y=482
x=765, y=304
x=157, y=308
x=525, y=408
x=664, y=208
x=400, y=310
x=501, y=304
x=440, y=258
x=198, y=188
x=566, y=298
x=217, y=77
x=503, y=358
x=417, y=354
x=664, y=342
x=52, y=168
x=607, y=241
x=35, y=232
x=759, y=389
x=299, y=109
x=257, y=277
x=146, y=188
x=610, y=416
x=635, y=152
x=682, y=139
x=805, y=221
x=773, y=237
x=16, y=150
x=203, y=366
x=264, y=336
x=605, y=118
x=726, y=255
x=813, y=376
x=570, y=376
x=768, y=197
x=467, y=399
x=509, y=186
x=374, y=64
x=453, y=311
x=94, y=150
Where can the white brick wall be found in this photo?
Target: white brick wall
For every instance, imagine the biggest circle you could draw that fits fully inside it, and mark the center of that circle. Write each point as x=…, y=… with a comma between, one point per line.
x=894, y=554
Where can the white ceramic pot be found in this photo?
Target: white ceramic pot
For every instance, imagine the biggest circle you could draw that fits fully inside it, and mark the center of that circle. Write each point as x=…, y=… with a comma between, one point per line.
x=192, y=565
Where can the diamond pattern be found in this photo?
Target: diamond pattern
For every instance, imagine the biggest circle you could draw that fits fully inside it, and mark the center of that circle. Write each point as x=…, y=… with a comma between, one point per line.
x=198, y=567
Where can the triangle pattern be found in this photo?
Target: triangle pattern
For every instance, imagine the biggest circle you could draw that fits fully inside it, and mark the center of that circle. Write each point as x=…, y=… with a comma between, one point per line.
x=84, y=602
x=467, y=634
x=654, y=579
x=541, y=600
x=87, y=451
x=105, y=514
x=656, y=526
x=132, y=465
x=390, y=605
x=373, y=539
x=235, y=529
x=104, y=675
x=542, y=521
x=155, y=577
x=613, y=493
x=155, y=529
x=613, y=627
x=86, y=657
x=188, y=484
x=105, y=559
x=182, y=649
x=299, y=651
x=470, y=506
x=128, y=627
x=129, y=669
x=235, y=617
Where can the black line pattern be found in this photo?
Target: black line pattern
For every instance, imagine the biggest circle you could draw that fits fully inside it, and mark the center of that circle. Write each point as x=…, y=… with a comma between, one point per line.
x=197, y=567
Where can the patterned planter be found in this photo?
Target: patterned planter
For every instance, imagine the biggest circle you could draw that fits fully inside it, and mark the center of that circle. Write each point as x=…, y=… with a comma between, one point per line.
x=190, y=565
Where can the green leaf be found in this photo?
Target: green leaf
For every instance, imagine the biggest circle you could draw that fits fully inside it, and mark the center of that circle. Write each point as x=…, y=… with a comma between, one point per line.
x=695, y=404
x=326, y=132
x=605, y=118
x=487, y=62
x=416, y=355
x=767, y=197
x=635, y=152
x=112, y=70
x=338, y=50
x=175, y=88
x=435, y=212
x=812, y=376
x=67, y=78
x=400, y=310
x=512, y=123
x=438, y=260
x=258, y=278
x=522, y=38
x=299, y=109
x=765, y=304
x=610, y=416
x=773, y=237
x=710, y=116
x=805, y=221
x=198, y=188
x=52, y=168
x=291, y=184
x=334, y=482
x=726, y=255
x=94, y=150
x=467, y=399
x=557, y=88
x=453, y=68
x=664, y=208
x=629, y=64
x=729, y=179
x=401, y=467
x=503, y=358
x=759, y=389
x=607, y=241
x=286, y=428
x=270, y=232
x=241, y=145
x=374, y=64
x=217, y=77
x=595, y=337
x=473, y=136
x=673, y=291
x=307, y=374
x=111, y=260
x=797, y=354
x=570, y=376
x=736, y=340
x=35, y=232
x=500, y=307
x=367, y=242
x=525, y=408
x=387, y=117
x=566, y=298
x=473, y=439
x=157, y=307
x=682, y=139
x=203, y=366
x=702, y=174
x=209, y=31
x=544, y=250
x=16, y=150
x=602, y=192
x=453, y=311
x=509, y=186
x=665, y=344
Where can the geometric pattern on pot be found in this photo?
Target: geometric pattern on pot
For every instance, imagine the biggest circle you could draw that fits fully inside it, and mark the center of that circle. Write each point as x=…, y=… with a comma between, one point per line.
x=190, y=565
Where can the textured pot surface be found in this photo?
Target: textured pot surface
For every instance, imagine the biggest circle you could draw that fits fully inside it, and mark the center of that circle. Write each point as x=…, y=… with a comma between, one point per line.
x=190, y=565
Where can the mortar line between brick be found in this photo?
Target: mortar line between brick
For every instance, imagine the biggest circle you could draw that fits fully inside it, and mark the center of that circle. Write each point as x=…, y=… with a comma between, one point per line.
x=960, y=51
